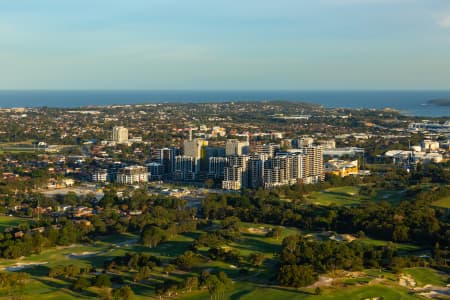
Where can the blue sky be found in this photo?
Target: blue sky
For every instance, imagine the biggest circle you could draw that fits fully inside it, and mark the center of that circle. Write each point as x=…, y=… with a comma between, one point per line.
x=215, y=44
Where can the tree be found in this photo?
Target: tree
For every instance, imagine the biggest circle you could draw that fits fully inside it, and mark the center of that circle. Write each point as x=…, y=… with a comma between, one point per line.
x=102, y=280
x=215, y=287
x=225, y=280
x=318, y=291
x=209, y=183
x=123, y=293
x=191, y=283
x=168, y=269
x=68, y=234
x=81, y=283
x=71, y=198
x=400, y=233
x=186, y=260
x=276, y=232
x=143, y=273
x=296, y=276
x=367, y=191
x=256, y=259
x=152, y=236
x=231, y=228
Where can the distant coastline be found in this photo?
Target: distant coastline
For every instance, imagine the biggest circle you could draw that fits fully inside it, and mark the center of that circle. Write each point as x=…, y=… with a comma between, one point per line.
x=440, y=102
x=413, y=103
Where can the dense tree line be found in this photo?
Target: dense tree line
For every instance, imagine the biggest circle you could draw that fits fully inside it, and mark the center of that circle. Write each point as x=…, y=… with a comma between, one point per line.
x=33, y=242
x=303, y=259
x=216, y=284
x=132, y=261
x=411, y=221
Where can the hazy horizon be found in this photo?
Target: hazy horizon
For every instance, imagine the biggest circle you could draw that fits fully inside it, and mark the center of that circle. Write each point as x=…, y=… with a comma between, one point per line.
x=410, y=102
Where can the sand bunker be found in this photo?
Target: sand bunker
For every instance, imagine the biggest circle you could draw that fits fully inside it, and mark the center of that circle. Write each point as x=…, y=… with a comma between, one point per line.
x=407, y=281
x=82, y=254
x=432, y=291
x=260, y=230
x=323, y=281
x=343, y=237
x=67, y=247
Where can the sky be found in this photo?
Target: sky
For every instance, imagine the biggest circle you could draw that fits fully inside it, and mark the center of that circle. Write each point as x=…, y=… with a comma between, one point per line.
x=226, y=45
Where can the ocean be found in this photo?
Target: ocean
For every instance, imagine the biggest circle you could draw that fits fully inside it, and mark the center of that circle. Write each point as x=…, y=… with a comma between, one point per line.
x=408, y=102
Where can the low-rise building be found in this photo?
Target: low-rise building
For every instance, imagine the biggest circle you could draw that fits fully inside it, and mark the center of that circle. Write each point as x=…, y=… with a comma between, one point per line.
x=342, y=168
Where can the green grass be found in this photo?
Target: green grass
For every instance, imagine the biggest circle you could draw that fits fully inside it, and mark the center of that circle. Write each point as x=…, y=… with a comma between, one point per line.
x=400, y=246
x=444, y=202
x=424, y=276
x=7, y=221
x=252, y=292
x=357, y=281
x=19, y=149
x=252, y=286
x=347, y=195
x=46, y=288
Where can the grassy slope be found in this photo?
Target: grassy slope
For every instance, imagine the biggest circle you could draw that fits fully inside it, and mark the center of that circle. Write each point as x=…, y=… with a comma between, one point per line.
x=425, y=276
x=444, y=202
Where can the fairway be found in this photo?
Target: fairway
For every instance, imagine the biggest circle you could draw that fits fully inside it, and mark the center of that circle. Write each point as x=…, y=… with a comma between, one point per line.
x=347, y=195
x=350, y=195
x=444, y=202
x=7, y=221
x=425, y=276
x=252, y=292
x=400, y=246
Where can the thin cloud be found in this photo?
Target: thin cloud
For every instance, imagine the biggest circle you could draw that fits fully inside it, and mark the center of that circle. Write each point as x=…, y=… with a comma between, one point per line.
x=444, y=22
